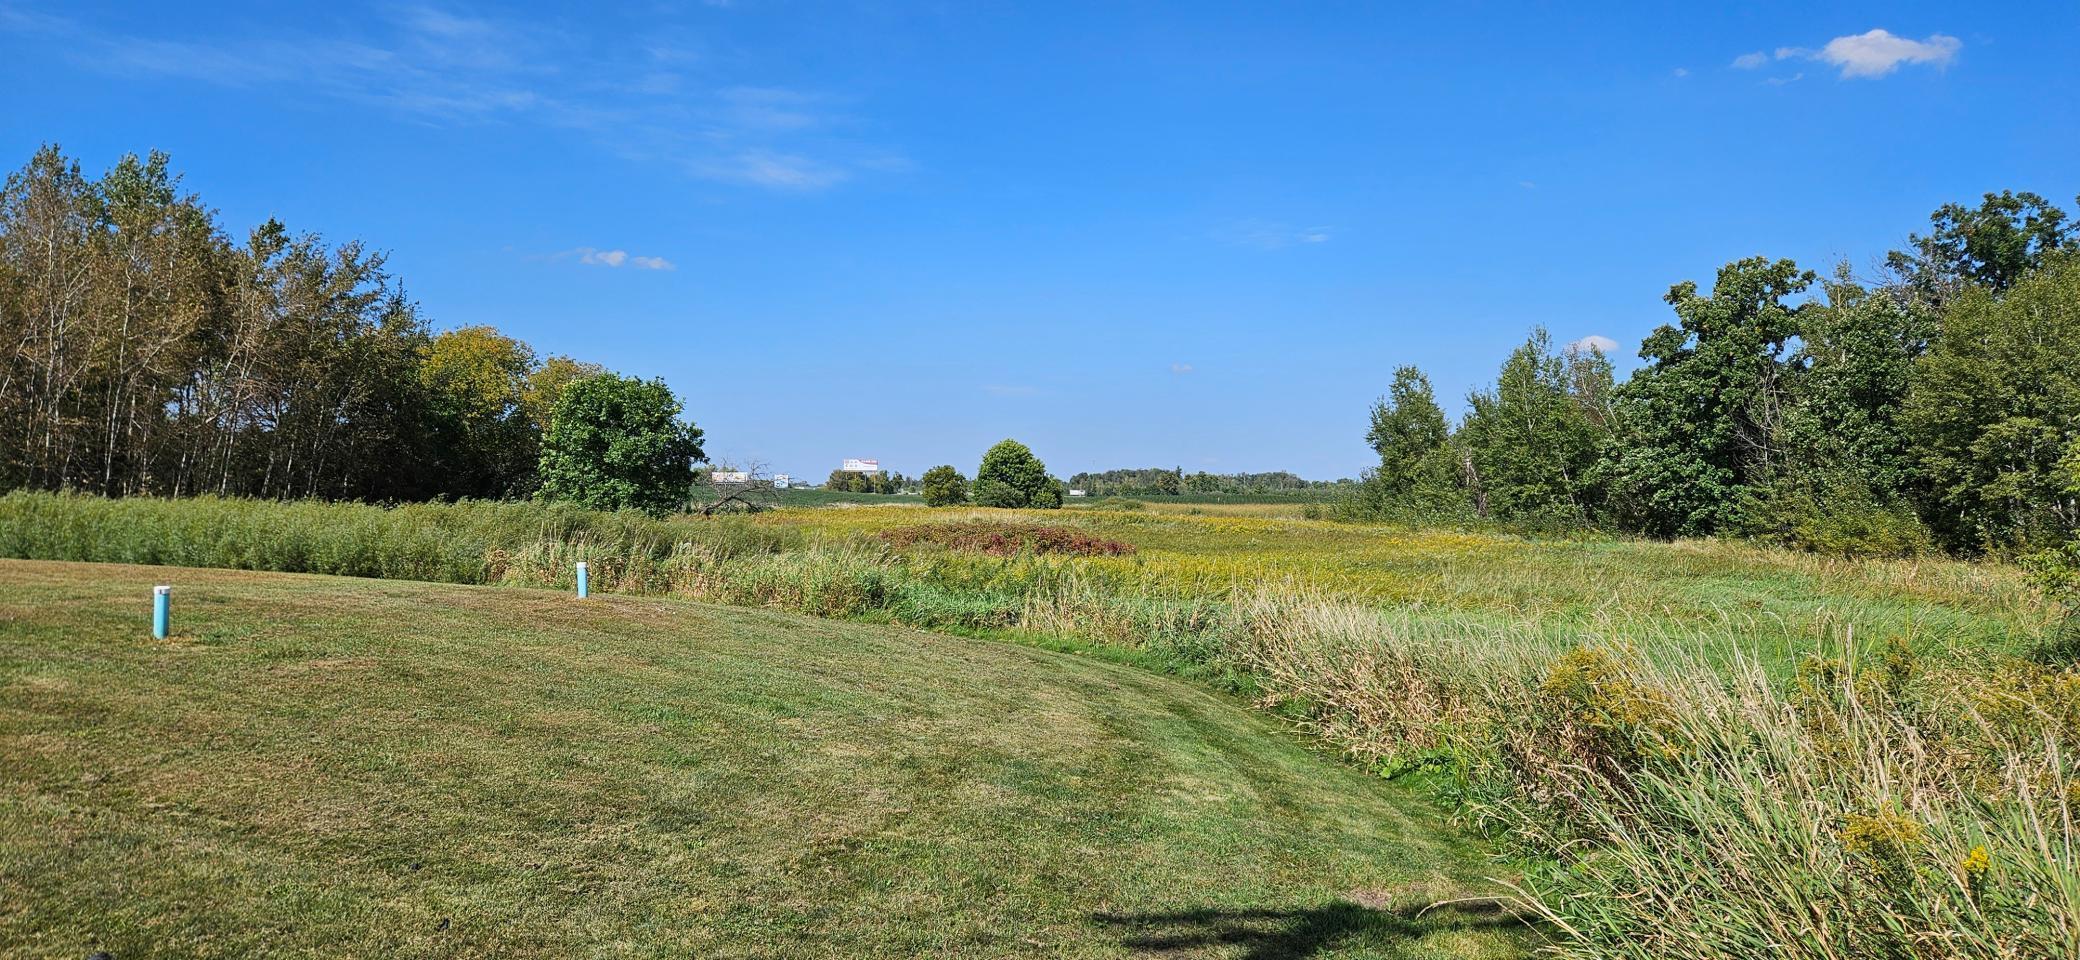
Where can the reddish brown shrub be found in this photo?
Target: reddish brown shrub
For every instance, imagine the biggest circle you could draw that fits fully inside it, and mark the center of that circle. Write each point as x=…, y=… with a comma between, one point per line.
x=1005, y=539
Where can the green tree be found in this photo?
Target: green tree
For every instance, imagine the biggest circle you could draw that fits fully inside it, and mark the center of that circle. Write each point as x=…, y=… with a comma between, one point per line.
x=944, y=486
x=1417, y=469
x=1847, y=481
x=1010, y=476
x=1995, y=405
x=1697, y=426
x=1532, y=442
x=617, y=443
x=1993, y=245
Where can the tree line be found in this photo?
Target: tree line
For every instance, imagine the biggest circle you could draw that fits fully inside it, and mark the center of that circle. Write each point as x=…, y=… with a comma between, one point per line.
x=1936, y=406
x=860, y=481
x=144, y=350
x=1158, y=482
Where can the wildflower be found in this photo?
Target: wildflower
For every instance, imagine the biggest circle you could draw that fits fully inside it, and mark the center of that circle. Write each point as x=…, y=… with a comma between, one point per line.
x=1976, y=862
x=1885, y=844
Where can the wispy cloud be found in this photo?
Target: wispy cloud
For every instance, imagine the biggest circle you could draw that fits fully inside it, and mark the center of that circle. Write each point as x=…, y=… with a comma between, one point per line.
x=1265, y=235
x=1180, y=369
x=1751, y=61
x=654, y=102
x=1595, y=341
x=1873, y=53
x=593, y=256
x=1010, y=390
x=766, y=168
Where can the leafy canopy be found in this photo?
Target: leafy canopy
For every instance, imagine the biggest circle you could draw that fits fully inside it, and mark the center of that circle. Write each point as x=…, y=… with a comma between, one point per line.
x=1417, y=468
x=617, y=443
x=1697, y=424
x=1994, y=407
x=944, y=487
x=1010, y=476
x=1532, y=441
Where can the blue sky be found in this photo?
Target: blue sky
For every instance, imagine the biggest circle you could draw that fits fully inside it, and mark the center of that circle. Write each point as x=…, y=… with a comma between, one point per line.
x=1193, y=234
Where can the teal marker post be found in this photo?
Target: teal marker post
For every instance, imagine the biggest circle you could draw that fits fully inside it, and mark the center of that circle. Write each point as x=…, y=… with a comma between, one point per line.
x=584, y=581
x=162, y=611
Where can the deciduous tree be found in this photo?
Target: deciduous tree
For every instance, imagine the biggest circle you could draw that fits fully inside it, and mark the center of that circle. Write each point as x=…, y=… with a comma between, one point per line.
x=1010, y=476
x=617, y=443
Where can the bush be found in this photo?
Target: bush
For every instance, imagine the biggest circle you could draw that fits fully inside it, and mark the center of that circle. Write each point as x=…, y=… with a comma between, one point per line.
x=1010, y=476
x=944, y=487
x=617, y=443
x=1004, y=539
x=1838, y=518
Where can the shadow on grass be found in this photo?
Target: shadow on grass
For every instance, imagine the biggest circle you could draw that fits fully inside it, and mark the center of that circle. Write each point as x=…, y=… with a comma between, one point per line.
x=1302, y=933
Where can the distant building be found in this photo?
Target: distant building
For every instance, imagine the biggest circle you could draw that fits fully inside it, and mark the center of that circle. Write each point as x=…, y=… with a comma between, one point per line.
x=861, y=466
x=1076, y=493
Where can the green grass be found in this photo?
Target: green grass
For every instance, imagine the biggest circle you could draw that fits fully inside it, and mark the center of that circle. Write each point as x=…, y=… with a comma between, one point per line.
x=339, y=767
x=797, y=497
x=1715, y=597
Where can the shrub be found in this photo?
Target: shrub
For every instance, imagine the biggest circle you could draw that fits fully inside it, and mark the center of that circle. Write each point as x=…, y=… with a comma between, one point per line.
x=1838, y=518
x=943, y=486
x=1004, y=539
x=617, y=443
x=1010, y=476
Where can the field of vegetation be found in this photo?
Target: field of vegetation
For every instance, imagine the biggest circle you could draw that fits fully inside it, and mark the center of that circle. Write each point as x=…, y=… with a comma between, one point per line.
x=1700, y=748
x=318, y=766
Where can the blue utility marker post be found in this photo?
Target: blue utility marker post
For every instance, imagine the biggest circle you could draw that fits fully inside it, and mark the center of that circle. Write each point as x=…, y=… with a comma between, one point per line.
x=162, y=611
x=584, y=581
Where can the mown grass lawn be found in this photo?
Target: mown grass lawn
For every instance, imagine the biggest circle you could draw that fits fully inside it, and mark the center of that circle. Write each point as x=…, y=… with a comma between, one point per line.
x=317, y=766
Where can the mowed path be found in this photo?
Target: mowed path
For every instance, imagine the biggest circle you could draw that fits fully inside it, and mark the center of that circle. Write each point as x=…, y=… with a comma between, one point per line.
x=320, y=766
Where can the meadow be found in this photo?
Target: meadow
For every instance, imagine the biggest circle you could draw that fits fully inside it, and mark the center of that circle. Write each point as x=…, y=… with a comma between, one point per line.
x=1689, y=749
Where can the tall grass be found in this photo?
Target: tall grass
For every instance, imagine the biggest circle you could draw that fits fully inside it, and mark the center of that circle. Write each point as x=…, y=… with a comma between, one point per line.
x=1880, y=805
x=1874, y=799
x=467, y=542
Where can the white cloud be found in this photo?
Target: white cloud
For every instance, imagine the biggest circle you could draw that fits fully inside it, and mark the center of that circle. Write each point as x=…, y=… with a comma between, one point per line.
x=1877, y=53
x=1180, y=369
x=1595, y=341
x=1872, y=54
x=1751, y=61
x=1682, y=71
x=618, y=258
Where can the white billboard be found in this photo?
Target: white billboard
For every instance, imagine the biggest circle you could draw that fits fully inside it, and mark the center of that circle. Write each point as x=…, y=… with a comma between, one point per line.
x=731, y=476
x=861, y=466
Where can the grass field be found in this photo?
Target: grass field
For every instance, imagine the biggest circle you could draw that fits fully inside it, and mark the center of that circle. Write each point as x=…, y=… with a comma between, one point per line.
x=1696, y=749
x=1714, y=597
x=318, y=766
x=798, y=497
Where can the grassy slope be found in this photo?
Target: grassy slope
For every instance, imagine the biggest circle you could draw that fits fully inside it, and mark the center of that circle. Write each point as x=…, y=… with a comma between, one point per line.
x=339, y=767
